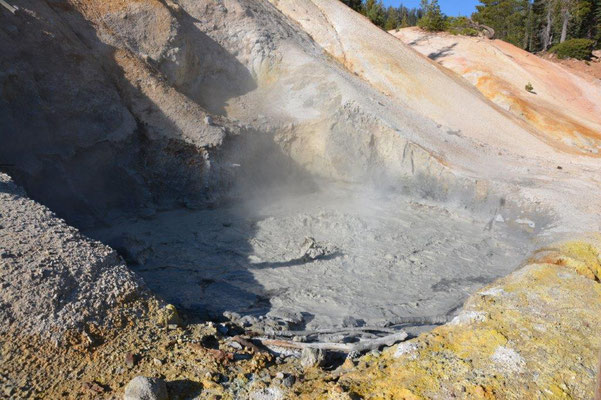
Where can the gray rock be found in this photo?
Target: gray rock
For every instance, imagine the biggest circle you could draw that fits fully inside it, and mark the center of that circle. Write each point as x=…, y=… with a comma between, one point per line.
x=352, y=322
x=221, y=328
x=289, y=381
x=247, y=320
x=312, y=358
x=235, y=345
x=168, y=315
x=312, y=250
x=143, y=388
x=288, y=315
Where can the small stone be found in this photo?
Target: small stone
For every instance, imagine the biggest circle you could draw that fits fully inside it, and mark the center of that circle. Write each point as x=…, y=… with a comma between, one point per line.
x=269, y=393
x=222, y=329
x=169, y=316
x=248, y=320
x=338, y=389
x=208, y=120
x=130, y=360
x=289, y=381
x=87, y=339
x=279, y=375
x=290, y=316
x=9, y=390
x=235, y=345
x=312, y=250
x=93, y=387
x=232, y=316
x=348, y=363
x=172, y=327
x=142, y=388
x=157, y=362
x=312, y=358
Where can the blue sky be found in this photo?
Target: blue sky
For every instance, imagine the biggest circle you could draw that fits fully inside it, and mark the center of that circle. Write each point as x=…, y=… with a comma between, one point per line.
x=449, y=7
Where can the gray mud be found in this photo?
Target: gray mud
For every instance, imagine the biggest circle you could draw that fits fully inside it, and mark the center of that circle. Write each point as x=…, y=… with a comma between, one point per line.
x=388, y=256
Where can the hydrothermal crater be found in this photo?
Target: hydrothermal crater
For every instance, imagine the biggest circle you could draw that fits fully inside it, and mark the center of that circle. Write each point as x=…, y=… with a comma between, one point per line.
x=250, y=161
x=214, y=215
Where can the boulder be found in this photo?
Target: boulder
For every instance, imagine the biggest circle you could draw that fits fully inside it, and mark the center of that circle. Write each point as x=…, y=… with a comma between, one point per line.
x=143, y=388
x=312, y=358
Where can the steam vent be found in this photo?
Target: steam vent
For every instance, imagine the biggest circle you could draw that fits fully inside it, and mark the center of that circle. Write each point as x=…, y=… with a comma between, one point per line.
x=279, y=199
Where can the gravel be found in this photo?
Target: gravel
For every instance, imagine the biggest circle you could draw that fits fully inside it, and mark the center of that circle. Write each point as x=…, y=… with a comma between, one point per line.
x=53, y=278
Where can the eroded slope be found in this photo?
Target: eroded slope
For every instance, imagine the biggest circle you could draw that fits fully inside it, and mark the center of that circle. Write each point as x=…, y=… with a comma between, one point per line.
x=564, y=107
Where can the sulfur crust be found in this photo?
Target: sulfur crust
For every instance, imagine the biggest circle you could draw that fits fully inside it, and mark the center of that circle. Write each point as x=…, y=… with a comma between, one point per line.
x=548, y=313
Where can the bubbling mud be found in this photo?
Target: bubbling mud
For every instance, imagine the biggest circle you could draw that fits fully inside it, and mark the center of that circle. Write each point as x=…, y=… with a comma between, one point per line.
x=383, y=256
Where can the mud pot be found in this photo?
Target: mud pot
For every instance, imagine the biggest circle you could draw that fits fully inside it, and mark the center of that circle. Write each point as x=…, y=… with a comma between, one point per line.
x=345, y=257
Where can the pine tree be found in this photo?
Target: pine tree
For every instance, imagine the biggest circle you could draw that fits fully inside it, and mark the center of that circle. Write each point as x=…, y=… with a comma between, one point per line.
x=583, y=19
x=433, y=19
x=509, y=18
x=530, y=28
x=537, y=24
x=392, y=19
x=356, y=5
x=405, y=21
x=596, y=23
x=374, y=10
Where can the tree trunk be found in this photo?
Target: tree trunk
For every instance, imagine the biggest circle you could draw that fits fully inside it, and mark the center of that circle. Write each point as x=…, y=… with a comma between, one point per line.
x=530, y=29
x=547, y=31
x=565, y=15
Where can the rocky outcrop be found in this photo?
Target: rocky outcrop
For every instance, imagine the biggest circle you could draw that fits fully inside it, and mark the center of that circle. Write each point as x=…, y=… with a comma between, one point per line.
x=85, y=137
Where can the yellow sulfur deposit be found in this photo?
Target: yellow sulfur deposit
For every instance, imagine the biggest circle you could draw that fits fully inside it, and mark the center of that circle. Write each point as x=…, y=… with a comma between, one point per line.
x=533, y=334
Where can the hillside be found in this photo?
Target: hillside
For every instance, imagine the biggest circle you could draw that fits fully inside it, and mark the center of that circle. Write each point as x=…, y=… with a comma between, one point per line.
x=564, y=107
